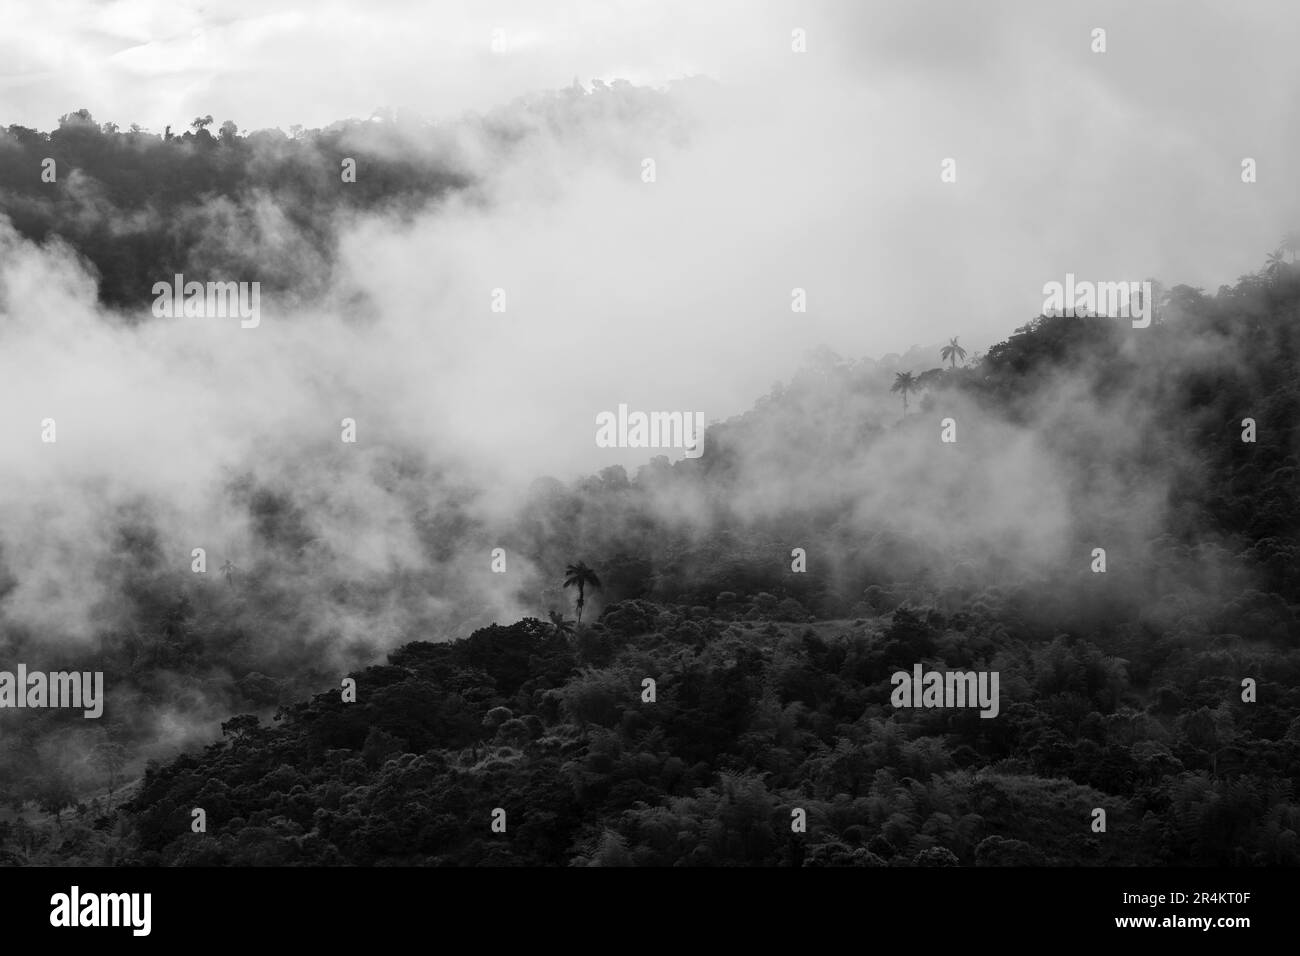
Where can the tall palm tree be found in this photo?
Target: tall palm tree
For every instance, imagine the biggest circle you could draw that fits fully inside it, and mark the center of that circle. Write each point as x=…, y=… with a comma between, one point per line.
x=581, y=575
x=903, y=382
x=1291, y=242
x=952, y=352
x=1276, y=264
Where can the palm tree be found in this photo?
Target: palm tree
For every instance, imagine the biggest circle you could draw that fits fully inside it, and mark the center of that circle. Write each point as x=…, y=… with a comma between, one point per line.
x=562, y=627
x=903, y=382
x=1276, y=264
x=1291, y=242
x=581, y=575
x=952, y=352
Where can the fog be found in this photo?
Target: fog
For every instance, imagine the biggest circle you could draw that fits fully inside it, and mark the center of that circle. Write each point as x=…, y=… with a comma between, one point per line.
x=773, y=171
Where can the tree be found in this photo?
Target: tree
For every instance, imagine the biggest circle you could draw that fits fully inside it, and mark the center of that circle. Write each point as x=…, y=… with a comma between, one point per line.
x=927, y=378
x=562, y=627
x=240, y=728
x=904, y=382
x=611, y=850
x=81, y=117
x=952, y=352
x=936, y=856
x=201, y=122
x=1000, y=851
x=582, y=576
x=109, y=757
x=1209, y=733
x=1291, y=242
x=1276, y=264
x=53, y=796
x=228, y=132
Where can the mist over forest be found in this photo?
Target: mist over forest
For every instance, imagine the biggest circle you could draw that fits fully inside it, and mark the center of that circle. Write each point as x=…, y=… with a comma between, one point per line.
x=477, y=689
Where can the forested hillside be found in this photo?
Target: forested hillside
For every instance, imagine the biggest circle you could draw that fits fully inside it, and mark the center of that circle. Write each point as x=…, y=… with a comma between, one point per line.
x=770, y=682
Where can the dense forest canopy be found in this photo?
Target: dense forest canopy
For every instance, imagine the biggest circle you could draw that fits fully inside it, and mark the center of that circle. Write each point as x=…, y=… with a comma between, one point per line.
x=1120, y=690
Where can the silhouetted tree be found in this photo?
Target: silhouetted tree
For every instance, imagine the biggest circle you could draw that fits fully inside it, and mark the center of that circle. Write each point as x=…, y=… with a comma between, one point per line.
x=581, y=576
x=952, y=352
x=904, y=382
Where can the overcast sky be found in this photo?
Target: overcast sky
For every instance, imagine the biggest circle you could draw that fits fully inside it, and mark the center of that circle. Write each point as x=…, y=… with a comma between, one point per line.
x=819, y=169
